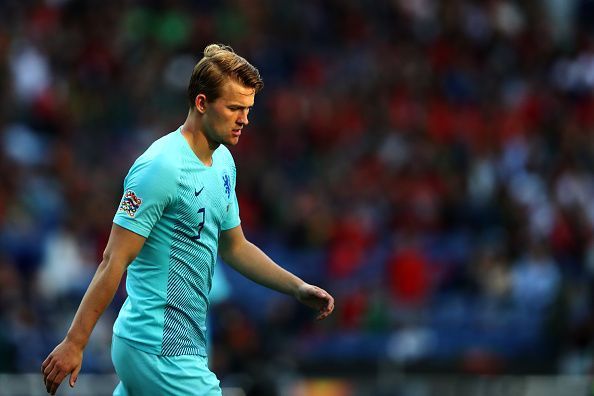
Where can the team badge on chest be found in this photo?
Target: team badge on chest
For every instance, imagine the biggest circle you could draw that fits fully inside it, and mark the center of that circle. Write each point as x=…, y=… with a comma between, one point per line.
x=227, y=184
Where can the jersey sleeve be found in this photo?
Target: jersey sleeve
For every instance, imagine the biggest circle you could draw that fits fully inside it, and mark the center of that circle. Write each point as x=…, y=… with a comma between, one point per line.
x=232, y=219
x=149, y=188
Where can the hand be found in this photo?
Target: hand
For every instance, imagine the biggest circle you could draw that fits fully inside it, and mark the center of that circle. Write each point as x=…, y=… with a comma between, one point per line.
x=65, y=359
x=316, y=298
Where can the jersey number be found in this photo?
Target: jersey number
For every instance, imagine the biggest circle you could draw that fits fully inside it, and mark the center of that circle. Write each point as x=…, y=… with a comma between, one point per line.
x=200, y=225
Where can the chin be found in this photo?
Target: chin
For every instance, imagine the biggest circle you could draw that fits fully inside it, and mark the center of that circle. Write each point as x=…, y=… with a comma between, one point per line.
x=231, y=142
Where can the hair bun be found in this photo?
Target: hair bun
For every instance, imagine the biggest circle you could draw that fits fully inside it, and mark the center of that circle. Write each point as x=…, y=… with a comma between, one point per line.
x=213, y=49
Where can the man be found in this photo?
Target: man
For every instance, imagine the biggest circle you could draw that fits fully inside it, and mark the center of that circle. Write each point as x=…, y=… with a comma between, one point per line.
x=178, y=211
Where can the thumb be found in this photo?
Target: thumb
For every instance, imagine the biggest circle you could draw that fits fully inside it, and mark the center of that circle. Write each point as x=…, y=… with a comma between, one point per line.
x=74, y=376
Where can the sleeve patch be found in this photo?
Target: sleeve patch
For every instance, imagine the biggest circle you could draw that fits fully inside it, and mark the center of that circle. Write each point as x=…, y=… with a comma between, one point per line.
x=130, y=203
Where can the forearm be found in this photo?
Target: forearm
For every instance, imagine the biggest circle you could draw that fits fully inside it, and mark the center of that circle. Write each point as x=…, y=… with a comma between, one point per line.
x=98, y=296
x=254, y=264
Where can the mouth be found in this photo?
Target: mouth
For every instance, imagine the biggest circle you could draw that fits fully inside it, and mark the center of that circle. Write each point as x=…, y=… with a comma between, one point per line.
x=236, y=132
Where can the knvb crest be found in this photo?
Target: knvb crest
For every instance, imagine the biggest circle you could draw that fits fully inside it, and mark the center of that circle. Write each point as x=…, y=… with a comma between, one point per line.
x=227, y=183
x=130, y=203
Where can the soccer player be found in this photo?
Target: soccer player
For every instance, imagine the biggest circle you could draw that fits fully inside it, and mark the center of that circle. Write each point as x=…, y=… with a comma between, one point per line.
x=178, y=211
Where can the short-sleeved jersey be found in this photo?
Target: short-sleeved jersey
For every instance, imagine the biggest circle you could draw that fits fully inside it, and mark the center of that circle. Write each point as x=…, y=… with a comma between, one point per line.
x=180, y=206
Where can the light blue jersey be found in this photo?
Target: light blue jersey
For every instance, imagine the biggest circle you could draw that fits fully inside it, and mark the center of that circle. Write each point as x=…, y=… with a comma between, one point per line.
x=180, y=206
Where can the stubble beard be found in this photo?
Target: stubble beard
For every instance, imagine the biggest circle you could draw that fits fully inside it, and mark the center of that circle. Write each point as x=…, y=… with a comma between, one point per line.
x=215, y=141
x=212, y=145
x=212, y=142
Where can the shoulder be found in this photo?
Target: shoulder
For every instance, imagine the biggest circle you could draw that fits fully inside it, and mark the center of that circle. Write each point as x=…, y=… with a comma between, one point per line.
x=161, y=159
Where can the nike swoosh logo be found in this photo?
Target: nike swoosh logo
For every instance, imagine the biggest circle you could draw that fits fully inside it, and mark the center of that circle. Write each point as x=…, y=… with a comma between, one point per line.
x=193, y=238
x=196, y=193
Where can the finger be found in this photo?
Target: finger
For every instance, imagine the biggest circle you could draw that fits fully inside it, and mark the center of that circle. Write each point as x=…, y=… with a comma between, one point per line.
x=49, y=379
x=74, y=376
x=46, y=374
x=326, y=303
x=57, y=381
x=325, y=313
x=48, y=368
x=57, y=375
x=54, y=388
x=45, y=363
x=321, y=316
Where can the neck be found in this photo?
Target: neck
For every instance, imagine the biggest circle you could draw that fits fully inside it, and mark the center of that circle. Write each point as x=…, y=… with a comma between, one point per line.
x=192, y=130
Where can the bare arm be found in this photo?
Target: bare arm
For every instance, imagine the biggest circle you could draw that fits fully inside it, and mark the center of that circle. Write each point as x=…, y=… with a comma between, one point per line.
x=250, y=261
x=123, y=246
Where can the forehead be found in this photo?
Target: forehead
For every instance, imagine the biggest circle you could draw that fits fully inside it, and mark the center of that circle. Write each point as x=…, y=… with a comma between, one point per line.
x=233, y=91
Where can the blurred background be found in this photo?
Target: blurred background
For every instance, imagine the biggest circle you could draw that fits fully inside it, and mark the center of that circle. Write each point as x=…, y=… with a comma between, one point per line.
x=430, y=163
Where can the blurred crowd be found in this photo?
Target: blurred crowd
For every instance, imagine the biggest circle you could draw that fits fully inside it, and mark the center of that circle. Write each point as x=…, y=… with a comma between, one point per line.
x=430, y=163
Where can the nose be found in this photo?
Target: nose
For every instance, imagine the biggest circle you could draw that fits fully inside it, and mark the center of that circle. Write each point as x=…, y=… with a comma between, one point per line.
x=243, y=118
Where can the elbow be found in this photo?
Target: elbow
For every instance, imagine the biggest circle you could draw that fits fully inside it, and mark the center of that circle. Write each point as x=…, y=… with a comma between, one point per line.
x=111, y=261
x=106, y=256
x=106, y=261
x=225, y=255
x=229, y=252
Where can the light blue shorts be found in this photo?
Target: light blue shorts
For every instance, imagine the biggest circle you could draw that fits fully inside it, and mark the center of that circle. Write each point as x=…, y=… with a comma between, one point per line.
x=145, y=374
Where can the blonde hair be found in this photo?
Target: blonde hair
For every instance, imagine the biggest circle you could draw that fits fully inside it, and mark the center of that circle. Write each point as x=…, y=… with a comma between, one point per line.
x=219, y=63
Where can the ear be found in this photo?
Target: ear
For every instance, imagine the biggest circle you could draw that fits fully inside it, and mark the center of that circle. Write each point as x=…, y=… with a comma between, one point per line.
x=200, y=103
